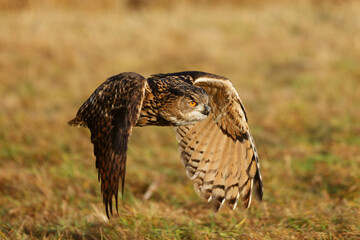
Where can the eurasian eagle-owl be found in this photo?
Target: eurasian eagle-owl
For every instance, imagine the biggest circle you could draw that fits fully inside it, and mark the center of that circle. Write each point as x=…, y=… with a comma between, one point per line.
x=215, y=143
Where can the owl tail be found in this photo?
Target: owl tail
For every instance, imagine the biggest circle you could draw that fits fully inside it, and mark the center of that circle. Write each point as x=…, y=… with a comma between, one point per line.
x=77, y=122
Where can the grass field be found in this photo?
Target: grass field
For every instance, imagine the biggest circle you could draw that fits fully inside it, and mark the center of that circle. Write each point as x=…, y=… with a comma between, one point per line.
x=295, y=66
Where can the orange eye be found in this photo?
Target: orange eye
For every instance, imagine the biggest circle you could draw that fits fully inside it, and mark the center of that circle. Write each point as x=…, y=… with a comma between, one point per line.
x=192, y=103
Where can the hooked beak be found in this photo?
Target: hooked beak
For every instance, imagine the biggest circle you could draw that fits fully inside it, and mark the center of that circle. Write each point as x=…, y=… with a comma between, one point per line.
x=206, y=110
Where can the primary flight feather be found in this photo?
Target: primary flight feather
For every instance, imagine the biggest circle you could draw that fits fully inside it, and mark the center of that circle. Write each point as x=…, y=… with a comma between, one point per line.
x=211, y=126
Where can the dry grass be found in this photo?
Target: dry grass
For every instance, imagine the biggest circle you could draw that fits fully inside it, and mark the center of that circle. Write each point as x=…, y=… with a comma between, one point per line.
x=296, y=67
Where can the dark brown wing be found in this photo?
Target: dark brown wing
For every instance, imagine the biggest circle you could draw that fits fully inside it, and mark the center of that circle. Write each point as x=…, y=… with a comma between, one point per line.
x=110, y=113
x=219, y=153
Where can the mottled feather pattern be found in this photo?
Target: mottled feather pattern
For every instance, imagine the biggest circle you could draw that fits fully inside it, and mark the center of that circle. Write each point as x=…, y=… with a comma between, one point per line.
x=218, y=153
x=109, y=113
x=228, y=173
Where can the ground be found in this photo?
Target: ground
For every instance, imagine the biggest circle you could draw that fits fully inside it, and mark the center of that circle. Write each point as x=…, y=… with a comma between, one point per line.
x=296, y=67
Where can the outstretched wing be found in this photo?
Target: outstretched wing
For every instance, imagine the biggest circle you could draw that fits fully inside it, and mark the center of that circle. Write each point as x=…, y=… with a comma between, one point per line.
x=219, y=153
x=110, y=113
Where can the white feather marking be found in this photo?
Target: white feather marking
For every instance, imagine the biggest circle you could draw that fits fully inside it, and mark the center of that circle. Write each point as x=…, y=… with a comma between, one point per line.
x=188, y=173
x=195, y=175
x=251, y=189
x=237, y=200
x=222, y=203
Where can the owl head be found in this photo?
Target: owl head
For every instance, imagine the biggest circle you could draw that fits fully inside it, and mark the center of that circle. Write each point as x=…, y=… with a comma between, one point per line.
x=186, y=104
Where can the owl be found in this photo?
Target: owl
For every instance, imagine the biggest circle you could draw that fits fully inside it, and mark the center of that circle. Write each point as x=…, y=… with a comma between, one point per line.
x=215, y=144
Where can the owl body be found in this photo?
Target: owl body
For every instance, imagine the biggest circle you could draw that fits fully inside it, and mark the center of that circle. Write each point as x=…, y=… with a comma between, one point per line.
x=215, y=144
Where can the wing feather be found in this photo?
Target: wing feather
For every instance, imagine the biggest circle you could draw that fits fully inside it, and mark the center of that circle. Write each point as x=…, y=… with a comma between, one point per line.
x=219, y=152
x=218, y=189
x=110, y=113
x=192, y=153
x=213, y=160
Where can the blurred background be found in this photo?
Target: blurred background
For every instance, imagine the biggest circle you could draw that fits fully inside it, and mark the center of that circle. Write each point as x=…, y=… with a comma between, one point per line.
x=296, y=66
